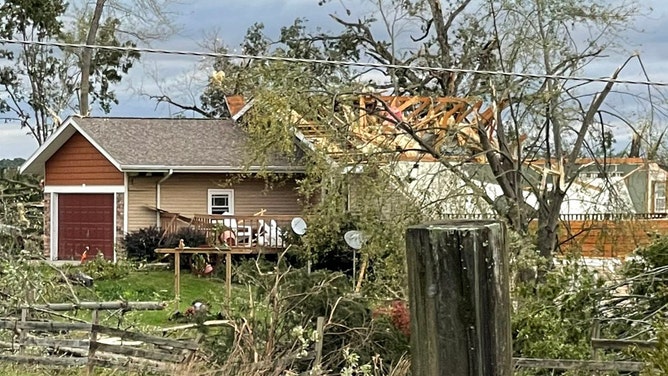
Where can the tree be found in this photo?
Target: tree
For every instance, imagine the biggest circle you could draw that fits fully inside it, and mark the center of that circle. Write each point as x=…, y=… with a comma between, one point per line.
x=42, y=81
x=539, y=37
x=555, y=115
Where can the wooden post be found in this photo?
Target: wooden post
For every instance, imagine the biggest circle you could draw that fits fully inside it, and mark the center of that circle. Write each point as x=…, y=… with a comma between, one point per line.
x=459, y=299
x=177, y=274
x=92, y=345
x=228, y=274
x=595, y=334
x=320, y=330
x=24, y=331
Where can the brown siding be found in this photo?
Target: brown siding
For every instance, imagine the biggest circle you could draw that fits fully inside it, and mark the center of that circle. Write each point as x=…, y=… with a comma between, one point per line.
x=186, y=194
x=78, y=162
x=141, y=193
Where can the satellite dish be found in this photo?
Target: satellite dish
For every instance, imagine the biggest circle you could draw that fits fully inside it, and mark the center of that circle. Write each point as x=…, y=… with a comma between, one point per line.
x=298, y=225
x=355, y=239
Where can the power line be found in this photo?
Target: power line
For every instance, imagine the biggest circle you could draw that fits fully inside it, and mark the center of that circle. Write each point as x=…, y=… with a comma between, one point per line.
x=334, y=62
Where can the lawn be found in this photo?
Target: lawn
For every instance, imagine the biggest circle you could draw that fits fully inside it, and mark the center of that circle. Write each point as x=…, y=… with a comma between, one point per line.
x=158, y=286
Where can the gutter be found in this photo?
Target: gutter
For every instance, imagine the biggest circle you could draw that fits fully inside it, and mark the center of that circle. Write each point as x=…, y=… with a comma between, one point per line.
x=211, y=169
x=157, y=194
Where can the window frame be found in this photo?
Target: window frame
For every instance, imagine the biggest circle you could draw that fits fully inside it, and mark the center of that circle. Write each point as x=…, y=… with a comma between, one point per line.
x=214, y=192
x=659, y=194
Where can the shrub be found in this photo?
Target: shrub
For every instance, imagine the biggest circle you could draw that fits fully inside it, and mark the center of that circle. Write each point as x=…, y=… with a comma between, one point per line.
x=140, y=244
x=100, y=269
x=190, y=236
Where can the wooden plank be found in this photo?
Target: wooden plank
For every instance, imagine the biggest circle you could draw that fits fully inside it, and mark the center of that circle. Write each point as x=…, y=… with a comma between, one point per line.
x=156, y=355
x=620, y=344
x=134, y=365
x=568, y=364
x=42, y=360
x=111, y=305
x=44, y=325
x=146, y=338
x=57, y=342
x=459, y=299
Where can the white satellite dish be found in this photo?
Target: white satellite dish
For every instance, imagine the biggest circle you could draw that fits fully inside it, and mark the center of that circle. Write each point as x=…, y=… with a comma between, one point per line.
x=298, y=225
x=355, y=239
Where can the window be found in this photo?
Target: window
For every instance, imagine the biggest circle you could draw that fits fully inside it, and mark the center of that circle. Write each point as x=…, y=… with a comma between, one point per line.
x=659, y=197
x=221, y=201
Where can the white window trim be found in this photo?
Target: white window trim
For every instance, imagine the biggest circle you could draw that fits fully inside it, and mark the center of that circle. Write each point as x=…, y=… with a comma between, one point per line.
x=211, y=192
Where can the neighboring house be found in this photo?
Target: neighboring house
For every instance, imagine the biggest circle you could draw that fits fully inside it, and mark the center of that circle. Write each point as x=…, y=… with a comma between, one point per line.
x=105, y=177
x=628, y=186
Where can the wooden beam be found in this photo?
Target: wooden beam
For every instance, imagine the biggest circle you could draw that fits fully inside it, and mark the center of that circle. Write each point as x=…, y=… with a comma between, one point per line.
x=568, y=364
x=620, y=344
x=113, y=305
x=156, y=355
x=43, y=360
x=146, y=338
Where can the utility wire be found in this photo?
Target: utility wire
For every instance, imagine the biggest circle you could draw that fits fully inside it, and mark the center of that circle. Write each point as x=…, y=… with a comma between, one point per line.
x=333, y=62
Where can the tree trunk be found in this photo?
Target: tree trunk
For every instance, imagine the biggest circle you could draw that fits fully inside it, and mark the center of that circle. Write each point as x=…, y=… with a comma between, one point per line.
x=548, y=223
x=87, y=57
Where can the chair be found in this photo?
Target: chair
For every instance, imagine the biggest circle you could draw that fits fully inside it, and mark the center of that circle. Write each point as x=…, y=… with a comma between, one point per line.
x=269, y=235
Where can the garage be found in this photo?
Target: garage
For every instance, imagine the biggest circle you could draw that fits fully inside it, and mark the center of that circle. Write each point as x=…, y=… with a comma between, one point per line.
x=85, y=221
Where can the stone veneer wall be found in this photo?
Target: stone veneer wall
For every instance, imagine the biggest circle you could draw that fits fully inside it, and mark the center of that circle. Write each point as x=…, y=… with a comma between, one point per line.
x=120, y=219
x=47, y=225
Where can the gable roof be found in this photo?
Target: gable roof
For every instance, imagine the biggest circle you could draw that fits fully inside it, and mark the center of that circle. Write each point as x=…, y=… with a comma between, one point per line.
x=150, y=144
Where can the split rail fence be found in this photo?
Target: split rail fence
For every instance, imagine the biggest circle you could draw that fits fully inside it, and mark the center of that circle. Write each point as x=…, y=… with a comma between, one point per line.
x=29, y=340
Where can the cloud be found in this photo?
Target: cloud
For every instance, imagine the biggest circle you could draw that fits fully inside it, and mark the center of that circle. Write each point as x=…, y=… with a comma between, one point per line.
x=14, y=142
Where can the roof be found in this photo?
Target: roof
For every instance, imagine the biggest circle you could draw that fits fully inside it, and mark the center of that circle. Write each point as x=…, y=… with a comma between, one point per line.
x=149, y=144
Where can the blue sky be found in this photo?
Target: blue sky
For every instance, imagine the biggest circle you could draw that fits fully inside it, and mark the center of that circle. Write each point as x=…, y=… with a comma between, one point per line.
x=232, y=18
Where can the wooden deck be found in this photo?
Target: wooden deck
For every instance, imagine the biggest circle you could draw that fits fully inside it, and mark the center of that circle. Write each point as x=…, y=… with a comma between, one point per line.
x=242, y=234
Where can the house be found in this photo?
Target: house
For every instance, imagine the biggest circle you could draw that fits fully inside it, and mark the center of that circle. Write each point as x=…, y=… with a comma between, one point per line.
x=105, y=177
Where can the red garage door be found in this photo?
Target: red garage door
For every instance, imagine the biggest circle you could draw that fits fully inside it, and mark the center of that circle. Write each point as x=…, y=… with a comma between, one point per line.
x=85, y=220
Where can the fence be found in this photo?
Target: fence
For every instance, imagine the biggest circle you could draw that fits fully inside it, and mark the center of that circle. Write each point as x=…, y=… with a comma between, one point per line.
x=601, y=235
x=89, y=343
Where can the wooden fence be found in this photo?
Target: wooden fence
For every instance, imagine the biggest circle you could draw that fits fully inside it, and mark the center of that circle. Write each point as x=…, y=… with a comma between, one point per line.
x=602, y=235
x=59, y=343
x=611, y=237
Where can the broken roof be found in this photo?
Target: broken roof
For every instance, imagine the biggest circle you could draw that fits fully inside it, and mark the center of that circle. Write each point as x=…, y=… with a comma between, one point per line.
x=146, y=144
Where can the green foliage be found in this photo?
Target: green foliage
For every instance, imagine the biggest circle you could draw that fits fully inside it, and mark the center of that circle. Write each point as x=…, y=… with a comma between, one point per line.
x=280, y=314
x=101, y=269
x=141, y=244
x=657, y=359
x=42, y=81
x=14, y=163
x=553, y=318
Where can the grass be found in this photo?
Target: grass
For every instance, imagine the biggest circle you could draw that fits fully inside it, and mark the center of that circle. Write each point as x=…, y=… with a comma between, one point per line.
x=158, y=286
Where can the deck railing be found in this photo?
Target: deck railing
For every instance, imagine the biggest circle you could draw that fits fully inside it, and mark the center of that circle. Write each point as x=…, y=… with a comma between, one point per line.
x=268, y=231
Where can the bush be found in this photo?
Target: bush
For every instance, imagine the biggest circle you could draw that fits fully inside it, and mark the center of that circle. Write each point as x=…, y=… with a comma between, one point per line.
x=140, y=244
x=190, y=236
x=100, y=269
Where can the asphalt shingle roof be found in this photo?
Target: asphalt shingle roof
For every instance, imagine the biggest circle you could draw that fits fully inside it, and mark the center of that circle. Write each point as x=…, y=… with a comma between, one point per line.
x=173, y=142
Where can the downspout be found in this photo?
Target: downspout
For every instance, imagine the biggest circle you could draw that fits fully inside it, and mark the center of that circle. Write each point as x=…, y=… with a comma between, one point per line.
x=157, y=194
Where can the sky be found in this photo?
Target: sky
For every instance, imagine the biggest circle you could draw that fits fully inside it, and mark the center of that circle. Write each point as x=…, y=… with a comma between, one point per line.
x=230, y=19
